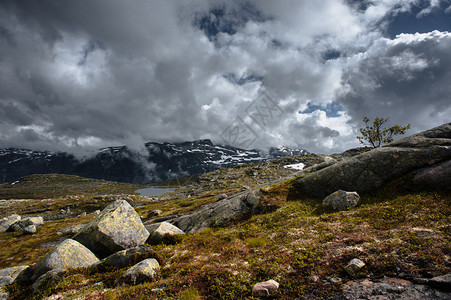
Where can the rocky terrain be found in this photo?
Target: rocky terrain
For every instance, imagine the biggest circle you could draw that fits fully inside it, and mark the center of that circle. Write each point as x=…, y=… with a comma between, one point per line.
x=156, y=161
x=364, y=224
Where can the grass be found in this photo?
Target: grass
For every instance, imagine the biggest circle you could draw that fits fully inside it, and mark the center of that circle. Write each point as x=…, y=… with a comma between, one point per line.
x=296, y=242
x=402, y=234
x=55, y=185
x=20, y=249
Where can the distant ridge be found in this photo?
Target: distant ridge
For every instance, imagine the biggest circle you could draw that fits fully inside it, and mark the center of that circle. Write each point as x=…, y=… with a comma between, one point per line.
x=159, y=161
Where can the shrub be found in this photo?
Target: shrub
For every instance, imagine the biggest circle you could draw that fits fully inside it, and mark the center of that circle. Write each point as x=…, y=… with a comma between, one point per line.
x=376, y=135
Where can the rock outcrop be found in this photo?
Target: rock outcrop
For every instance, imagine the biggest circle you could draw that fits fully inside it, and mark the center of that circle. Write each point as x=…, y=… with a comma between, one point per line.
x=220, y=213
x=442, y=282
x=390, y=288
x=67, y=255
x=370, y=170
x=116, y=228
x=436, y=176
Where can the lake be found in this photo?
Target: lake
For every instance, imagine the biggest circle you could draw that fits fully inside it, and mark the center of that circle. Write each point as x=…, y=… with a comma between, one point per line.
x=154, y=191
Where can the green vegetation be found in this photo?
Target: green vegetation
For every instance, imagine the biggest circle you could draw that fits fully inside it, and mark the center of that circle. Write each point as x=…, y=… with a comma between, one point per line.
x=376, y=135
x=43, y=186
x=396, y=232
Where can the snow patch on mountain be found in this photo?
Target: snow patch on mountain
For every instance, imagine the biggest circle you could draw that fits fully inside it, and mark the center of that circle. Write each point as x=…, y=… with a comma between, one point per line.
x=156, y=161
x=299, y=166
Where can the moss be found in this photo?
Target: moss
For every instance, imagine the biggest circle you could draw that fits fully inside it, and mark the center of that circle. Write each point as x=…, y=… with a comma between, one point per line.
x=43, y=186
x=256, y=242
x=21, y=249
x=394, y=232
x=189, y=294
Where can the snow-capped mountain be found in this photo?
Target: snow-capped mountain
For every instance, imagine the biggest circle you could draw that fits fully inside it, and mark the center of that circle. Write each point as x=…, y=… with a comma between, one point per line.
x=285, y=151
x=158, y=161
x=15, y=163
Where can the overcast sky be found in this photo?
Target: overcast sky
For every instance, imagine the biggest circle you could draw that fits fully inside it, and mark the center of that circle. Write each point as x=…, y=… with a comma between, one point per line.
x=81, y=75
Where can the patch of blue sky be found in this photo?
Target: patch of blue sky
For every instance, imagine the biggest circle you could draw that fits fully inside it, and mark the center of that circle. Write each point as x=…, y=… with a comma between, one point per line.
x=222, y=20
x=332, y=109
x=417, y=20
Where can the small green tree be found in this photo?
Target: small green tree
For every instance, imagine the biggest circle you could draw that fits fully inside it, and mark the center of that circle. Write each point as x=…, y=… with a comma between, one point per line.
x=376, y=135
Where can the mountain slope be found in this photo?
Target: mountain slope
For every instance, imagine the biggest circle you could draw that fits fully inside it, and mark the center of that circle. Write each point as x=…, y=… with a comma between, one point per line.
x=158, y=161
x=402, y=237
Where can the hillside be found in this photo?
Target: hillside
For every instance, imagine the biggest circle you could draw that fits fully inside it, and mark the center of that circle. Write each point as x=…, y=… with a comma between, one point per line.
x=400, y=230
x=154, y=162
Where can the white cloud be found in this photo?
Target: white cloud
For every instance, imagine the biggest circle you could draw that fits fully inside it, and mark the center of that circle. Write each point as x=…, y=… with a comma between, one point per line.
x=125, y=74
x=405, y=79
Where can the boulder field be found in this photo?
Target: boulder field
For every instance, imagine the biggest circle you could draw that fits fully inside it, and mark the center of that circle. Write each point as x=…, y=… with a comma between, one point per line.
x=115, y=238
x=117, y=235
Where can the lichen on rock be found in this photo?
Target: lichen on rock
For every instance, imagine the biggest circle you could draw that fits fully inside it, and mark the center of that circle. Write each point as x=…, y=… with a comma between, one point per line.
x=370, y=170
x=67, y=255
x=116, y=228
x=342, y=200
x=146, y=270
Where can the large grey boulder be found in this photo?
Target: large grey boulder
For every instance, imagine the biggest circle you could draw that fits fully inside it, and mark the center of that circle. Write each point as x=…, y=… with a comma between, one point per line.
x=163, y=232
x=6, y=222
x=220, y=213
x=342, y=200
x=370, y=170
x=116, y=228
x=67, y=255
x=146, y=270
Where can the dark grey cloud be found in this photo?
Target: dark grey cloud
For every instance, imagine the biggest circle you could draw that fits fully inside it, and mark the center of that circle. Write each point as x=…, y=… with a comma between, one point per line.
x=79, y=75
x=228, y=19
x=406, y=79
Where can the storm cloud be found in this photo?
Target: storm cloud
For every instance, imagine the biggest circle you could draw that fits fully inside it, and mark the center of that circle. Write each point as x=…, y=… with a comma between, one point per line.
x=80, y=75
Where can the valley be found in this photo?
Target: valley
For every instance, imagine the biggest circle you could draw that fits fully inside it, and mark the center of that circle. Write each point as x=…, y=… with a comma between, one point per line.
x=400, y=231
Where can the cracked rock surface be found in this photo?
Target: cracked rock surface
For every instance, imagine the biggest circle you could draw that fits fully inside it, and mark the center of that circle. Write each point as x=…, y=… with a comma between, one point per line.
x=370, y=170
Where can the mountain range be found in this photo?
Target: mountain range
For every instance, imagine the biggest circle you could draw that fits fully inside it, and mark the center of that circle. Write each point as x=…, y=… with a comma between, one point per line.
x=157, y=161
